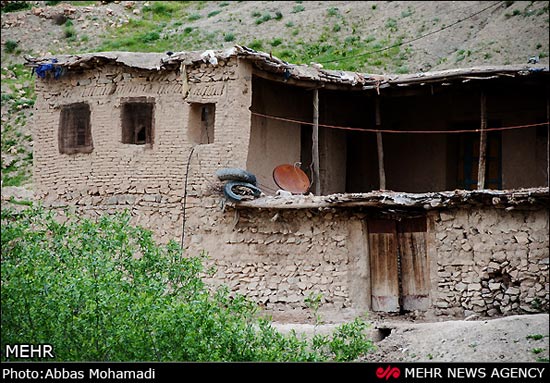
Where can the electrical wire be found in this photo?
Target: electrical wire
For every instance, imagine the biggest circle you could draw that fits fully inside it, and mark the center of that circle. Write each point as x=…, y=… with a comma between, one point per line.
x=368, y=130
x=412, y=40
x=185, y=195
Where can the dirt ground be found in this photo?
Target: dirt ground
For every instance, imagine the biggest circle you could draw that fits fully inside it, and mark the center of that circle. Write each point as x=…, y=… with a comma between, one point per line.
x=519, y=338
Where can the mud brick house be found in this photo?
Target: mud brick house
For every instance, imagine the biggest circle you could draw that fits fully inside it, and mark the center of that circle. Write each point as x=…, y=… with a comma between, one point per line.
x=429, y=190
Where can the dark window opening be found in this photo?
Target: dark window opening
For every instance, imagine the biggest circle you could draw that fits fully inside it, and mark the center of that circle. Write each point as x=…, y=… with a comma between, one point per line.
x=75, y=133
x=137, y=121
x=201, y=123
x=466, y=157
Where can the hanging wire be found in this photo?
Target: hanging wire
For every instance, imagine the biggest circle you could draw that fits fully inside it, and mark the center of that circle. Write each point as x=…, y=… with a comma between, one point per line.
x=368, y=130
x=412, y=40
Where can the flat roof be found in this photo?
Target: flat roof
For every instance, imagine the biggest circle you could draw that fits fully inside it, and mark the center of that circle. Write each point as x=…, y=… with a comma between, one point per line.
x=268, y=63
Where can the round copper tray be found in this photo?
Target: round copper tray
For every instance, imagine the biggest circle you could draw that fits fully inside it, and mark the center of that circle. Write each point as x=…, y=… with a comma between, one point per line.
x=291, y=178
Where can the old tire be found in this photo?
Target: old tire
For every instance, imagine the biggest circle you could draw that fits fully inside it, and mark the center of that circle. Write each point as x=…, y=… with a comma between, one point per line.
x=236, y=174
x=233, y=196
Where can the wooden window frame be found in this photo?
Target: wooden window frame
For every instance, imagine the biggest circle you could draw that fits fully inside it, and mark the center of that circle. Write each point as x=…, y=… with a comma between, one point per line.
x=137, y=112
x=75, y=130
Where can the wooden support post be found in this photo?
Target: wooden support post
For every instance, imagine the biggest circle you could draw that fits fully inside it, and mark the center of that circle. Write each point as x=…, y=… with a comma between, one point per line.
x=380, y=147
x=315, y=140
x=482, y=144
x=548, y=141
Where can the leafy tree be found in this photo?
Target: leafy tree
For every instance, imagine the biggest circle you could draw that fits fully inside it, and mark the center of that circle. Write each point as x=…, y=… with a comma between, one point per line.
x=105, y=291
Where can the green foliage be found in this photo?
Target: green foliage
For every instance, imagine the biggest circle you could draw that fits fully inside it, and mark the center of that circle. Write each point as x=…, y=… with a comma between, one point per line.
x=193, y=17
x=289, y=24
x=214, y=13
x=14, y=6
x=336, y=28
x=265, y=17
x=276, y=42
x=229, y=37
x=150, y=36
x=256, y=45
x=69, y=31
x=332, y=11
x=10, y=46
x=391, y=24
x=105, y=291
x=313, y=302
x=537, y=350
x=298, y=8
x=535, y=336
x=278, y=15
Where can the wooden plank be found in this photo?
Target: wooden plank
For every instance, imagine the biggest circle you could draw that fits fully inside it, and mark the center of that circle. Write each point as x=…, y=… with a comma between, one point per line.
x=415, y=282
x=380, y=147
x=315, y=139
x=383, y=264
x=482, y=144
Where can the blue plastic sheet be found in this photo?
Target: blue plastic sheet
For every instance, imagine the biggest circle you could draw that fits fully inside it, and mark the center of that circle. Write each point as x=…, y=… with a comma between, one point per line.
x=43, y=69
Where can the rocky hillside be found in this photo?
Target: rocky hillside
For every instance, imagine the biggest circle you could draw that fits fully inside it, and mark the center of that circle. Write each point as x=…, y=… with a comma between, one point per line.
x=363, y=36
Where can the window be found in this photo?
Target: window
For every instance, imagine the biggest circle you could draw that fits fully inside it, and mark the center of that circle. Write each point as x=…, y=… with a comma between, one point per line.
x=137, y=121
x=75, y=134
x=201, y=123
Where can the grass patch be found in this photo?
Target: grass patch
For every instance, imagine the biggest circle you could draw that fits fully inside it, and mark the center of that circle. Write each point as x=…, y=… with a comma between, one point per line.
x=214, y=13
x=14, y=6
x=265, y=17
x=194, y=17
x=535, y=336
x=333, y=11
x=69, y=32
x=298, y=8
x=276, y=42
x=229, y=37
x=256, y=45
x=537, y=350
x=10, y=46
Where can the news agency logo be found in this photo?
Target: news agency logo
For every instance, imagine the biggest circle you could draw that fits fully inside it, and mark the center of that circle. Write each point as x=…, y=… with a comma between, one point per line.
x=389, y=372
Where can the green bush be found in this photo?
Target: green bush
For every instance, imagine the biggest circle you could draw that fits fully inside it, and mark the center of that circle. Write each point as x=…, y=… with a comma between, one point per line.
x=105, y=291
x=10, y=46
x=14, y=6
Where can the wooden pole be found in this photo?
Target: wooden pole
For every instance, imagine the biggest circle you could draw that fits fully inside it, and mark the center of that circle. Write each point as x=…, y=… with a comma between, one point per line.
x=380, y=147
x=547, y=141
x=482, y=144
x=315, y=140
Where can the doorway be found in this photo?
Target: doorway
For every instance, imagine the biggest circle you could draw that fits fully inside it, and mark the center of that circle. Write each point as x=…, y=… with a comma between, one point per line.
x=398, y=264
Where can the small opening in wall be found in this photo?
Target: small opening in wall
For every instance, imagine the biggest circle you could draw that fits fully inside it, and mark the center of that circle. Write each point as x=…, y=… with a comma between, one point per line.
x=137, y=121
x=75, y=132
x=381, y=334
x=201, y=123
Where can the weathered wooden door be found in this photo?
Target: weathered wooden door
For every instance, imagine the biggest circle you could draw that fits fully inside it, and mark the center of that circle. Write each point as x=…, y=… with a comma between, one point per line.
x=399, y=265
x=411, y=237
x=383, y=265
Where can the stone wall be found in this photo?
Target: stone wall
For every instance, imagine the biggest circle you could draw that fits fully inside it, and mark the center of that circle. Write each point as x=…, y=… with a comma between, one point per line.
x=491, y=262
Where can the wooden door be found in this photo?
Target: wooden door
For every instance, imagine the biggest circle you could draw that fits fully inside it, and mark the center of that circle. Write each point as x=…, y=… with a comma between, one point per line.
x=411, y=237
x=383, y=265
x=398, y=264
